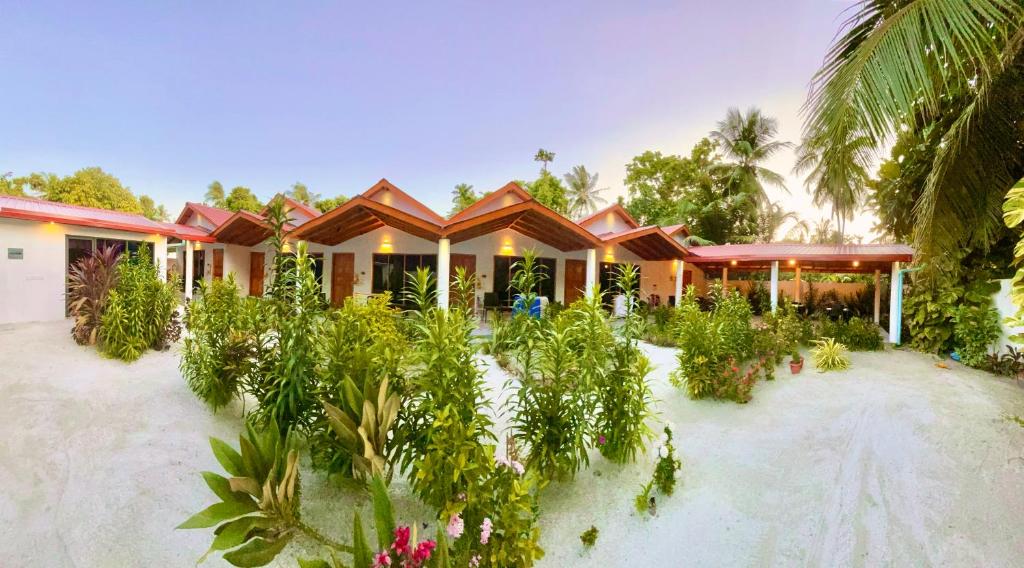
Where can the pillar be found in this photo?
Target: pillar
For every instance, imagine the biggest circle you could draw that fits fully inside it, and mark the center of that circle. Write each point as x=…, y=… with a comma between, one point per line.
x=444, y=249
x=878, y=296
x=895, y=304
x=160, y=258
x=591, y=271
x=680, y=271
x=189, y=254
x=775, y=285
x=725, y=278
x=796, y=284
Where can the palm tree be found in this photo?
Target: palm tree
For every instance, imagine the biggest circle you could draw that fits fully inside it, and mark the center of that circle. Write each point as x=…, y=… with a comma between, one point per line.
x=583, y=192
x=842, y=185
x=462, y=197
x=799, y=232
x=916, y=63
x=214, y=194
x=770, y=219
x=299, y=192
x=748, y=140
x=544, y=157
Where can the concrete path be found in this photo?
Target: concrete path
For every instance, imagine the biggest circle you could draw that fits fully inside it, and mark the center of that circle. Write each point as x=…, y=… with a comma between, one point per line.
x=894, y=462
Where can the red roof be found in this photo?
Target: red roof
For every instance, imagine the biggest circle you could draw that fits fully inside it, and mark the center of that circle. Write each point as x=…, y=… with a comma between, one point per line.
x=800, y=251
x=216, y=215
x=32, y=209
x=671, y=230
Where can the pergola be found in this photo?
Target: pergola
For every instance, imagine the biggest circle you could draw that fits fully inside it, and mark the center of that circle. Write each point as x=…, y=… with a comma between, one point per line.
x=799, y=257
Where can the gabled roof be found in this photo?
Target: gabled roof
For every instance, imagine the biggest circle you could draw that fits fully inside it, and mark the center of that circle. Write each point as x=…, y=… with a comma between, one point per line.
x=243, y=228
x=384, y=192
x=301, y=212
x=614, y=209
x=359, y=216
x=216, y=215
x=32, y=209
x=508, y=194
x=649, y=243
x=672, y=230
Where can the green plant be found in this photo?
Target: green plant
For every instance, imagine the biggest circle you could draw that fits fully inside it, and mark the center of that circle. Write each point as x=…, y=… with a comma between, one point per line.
x=363, y=427
x=855, y=333
x=90, y=281
x=975, y=329
x=138, y=309
x=668, y=465
x=830, y=355
x=218, y=349
x=589, y=536
x=644, y=501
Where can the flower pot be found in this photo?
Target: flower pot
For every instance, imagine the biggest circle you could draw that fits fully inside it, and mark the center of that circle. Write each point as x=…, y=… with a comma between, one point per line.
x=796, y=366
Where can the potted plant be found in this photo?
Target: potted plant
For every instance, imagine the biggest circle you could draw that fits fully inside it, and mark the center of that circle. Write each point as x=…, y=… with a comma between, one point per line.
x=796, y=363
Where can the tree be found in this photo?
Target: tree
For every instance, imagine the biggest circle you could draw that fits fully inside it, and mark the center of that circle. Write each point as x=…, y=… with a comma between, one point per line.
x=90, y=187
x=654, y=183
x=215, y=195
x=10, y=185
x=242, y=198
x=549, y=191
x=462, y=197
x=299, y=192
x=748, y=140
x=544, y=157
x=151, y=210
x=770, y=219
x=915, y=63
x=583, y=192
x=842, y=184
x=328, y=203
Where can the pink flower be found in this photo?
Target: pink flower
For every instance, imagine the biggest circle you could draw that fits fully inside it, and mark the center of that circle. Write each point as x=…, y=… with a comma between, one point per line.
x=401, y=543
x=475, y=561
x=456, y=526
x=381, y=559
x=601, y=440
x=501, y=460
x=423, y=552
x=518, y=468
x=485, y=530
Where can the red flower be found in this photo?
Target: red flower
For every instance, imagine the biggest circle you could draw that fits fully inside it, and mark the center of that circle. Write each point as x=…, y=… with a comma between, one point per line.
x=401, y=544
x=423, y=552
x=381, y=559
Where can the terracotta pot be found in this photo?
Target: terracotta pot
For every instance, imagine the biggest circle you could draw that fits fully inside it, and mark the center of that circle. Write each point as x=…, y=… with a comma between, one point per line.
x=796, y=366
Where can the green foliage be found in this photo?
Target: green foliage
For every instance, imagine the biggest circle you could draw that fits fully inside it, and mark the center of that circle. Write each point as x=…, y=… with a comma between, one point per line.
x=218, y=350
x=330, y=203
x=151, y=210
x=930, y=301
x=462, y=197
x=857, y=334
x=975, y=329
x=589, y=536
x=301, y=193
x=668, y=465
x=584, y=196
x=138, y=310
x=91, y=187
x=242, y=199
x=363, y=427
x=549, y=191
x=215, y=194
x=90, y=282
x=830, y=355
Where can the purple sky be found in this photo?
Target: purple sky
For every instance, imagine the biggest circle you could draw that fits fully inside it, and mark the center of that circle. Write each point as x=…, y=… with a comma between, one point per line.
x=428, y=94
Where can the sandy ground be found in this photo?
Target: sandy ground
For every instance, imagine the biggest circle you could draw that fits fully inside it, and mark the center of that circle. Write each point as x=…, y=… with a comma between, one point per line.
x=895, y=462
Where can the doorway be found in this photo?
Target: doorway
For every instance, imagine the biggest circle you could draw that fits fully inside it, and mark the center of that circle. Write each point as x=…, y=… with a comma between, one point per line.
x=256, y=267
x=218, y=264
x=575, y=280
x=343, y=272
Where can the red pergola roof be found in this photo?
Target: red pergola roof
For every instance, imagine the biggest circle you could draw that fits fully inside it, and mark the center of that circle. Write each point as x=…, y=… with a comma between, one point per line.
x=32, y=209
x=812, y=257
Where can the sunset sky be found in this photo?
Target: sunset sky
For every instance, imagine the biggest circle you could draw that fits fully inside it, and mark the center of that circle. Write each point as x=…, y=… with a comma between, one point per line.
x=428, y=94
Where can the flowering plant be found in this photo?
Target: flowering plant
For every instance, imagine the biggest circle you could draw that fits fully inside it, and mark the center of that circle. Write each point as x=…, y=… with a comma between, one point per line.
x=664, y=473
x=404, y=551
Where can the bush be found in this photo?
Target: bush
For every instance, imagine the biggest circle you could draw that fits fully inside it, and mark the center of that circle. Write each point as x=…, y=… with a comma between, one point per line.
x=138, y=311
x=857, y=334
x=975, y=330
x=90, y=281
x=830, y=355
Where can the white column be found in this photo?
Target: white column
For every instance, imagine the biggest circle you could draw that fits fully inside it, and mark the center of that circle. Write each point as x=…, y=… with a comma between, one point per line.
x=725, y=278
x=189, y=245
x=775, y=285
x=895, y=305
x=160, y=258
x=796, y=282
x=680, y=265
x=444, y=249
x=878, y=295
x=591, y=271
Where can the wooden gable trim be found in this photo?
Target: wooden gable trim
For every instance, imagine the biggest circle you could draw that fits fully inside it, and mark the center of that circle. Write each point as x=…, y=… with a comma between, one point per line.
x=510, y=187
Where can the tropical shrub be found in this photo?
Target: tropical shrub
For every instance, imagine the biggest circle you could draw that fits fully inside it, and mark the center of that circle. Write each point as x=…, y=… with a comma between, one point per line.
x=90, y=281
x=856, y=333
x=830, y=355
x=217, y=351
x=1009, y=364
x=975, y=330
x=930, y=301
x=138, y=310
x=759, y=298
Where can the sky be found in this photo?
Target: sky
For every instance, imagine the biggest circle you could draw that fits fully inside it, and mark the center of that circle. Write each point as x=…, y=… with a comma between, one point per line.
x=170, y=96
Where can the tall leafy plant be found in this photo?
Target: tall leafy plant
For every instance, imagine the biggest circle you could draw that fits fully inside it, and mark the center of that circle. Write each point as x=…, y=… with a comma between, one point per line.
x=138, y=310
x=90, y=281
x=218, y=350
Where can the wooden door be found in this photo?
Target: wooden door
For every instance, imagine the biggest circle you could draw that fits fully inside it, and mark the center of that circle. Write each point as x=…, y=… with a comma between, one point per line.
x=218, y=264
x=343, y=272
x=575, y=280
x=256, y=268
x=468, y=262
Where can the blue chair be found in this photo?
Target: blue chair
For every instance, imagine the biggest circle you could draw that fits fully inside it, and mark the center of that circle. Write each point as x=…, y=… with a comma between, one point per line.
x=519, y=306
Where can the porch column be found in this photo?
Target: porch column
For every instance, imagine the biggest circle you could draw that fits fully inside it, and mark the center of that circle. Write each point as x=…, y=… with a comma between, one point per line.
x=444, y=249
x=895, y=304
x=796, y=282
x=680, y=266
x=775, y=285
x=189, y=254
x=725, y=278
x=160, y=258
x=878, y=295
x=591, y=271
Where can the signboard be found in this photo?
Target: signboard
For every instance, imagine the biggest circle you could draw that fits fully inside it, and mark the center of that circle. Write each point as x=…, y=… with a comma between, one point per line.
x=15, y=254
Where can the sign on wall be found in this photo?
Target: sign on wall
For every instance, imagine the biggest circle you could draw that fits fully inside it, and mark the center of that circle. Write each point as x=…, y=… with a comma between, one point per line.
x=15, y=254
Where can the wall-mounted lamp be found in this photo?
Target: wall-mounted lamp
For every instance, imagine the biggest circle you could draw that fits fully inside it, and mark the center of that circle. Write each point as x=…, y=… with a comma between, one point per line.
x=506, y=249
x=732, y=263
x=385, y=244
x=856, y=263
x=792, y=262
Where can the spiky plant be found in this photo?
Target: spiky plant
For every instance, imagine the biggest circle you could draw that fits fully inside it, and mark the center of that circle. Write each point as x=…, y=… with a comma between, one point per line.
x=90, y=281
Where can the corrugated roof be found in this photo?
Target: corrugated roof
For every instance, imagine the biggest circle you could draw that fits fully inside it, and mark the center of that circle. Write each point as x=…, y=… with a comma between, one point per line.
x=30, y=208
x=216, y=215
x=800, y=251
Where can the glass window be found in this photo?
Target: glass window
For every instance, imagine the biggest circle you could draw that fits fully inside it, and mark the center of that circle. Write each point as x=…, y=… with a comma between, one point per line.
x=390, y=272
x=503, y=272
x=609, y=276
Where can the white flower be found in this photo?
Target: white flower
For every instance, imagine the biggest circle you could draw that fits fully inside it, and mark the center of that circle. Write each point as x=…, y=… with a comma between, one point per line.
x=663, y=440
x=518, y=467
x=663, y=452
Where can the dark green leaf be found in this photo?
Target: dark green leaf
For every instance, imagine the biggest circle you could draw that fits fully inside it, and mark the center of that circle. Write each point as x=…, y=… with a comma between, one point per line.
x=227, y=456
x=362, y=557
x=257, y=552
x=218, y=513
x=383, y=515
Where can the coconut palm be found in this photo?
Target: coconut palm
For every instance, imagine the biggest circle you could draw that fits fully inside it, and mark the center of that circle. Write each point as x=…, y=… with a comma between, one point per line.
x=544, y=157
x=915, y=63
x=462, y=197
x=799, y=232
x=748, y=140
x=770, y=218
x=842, y=185
x=583, y=192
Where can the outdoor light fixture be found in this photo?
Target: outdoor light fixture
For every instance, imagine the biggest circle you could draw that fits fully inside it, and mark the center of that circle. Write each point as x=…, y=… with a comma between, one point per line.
x=506, y=248
x=856, y=263
x=732, y=263
x=385, y=244
x=792, y=262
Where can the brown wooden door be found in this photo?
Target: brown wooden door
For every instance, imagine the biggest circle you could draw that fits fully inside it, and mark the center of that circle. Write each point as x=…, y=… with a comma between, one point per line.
x=467, y=261
x=343, y=272
x=256, y=268
x=218, y=264
x=575, y=280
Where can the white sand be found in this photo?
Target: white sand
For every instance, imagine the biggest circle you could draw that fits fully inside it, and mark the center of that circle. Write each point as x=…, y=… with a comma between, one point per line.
x=894, y=462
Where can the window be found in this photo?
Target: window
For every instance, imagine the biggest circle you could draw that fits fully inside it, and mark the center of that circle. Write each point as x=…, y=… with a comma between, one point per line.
x=503, y=272
x=609, y=276
x=78, y=248
x=389, y=272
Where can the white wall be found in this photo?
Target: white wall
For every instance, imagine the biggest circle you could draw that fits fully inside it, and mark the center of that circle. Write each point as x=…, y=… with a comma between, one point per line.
x=32, y=289
x=1006, y=308
x=610, y=222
